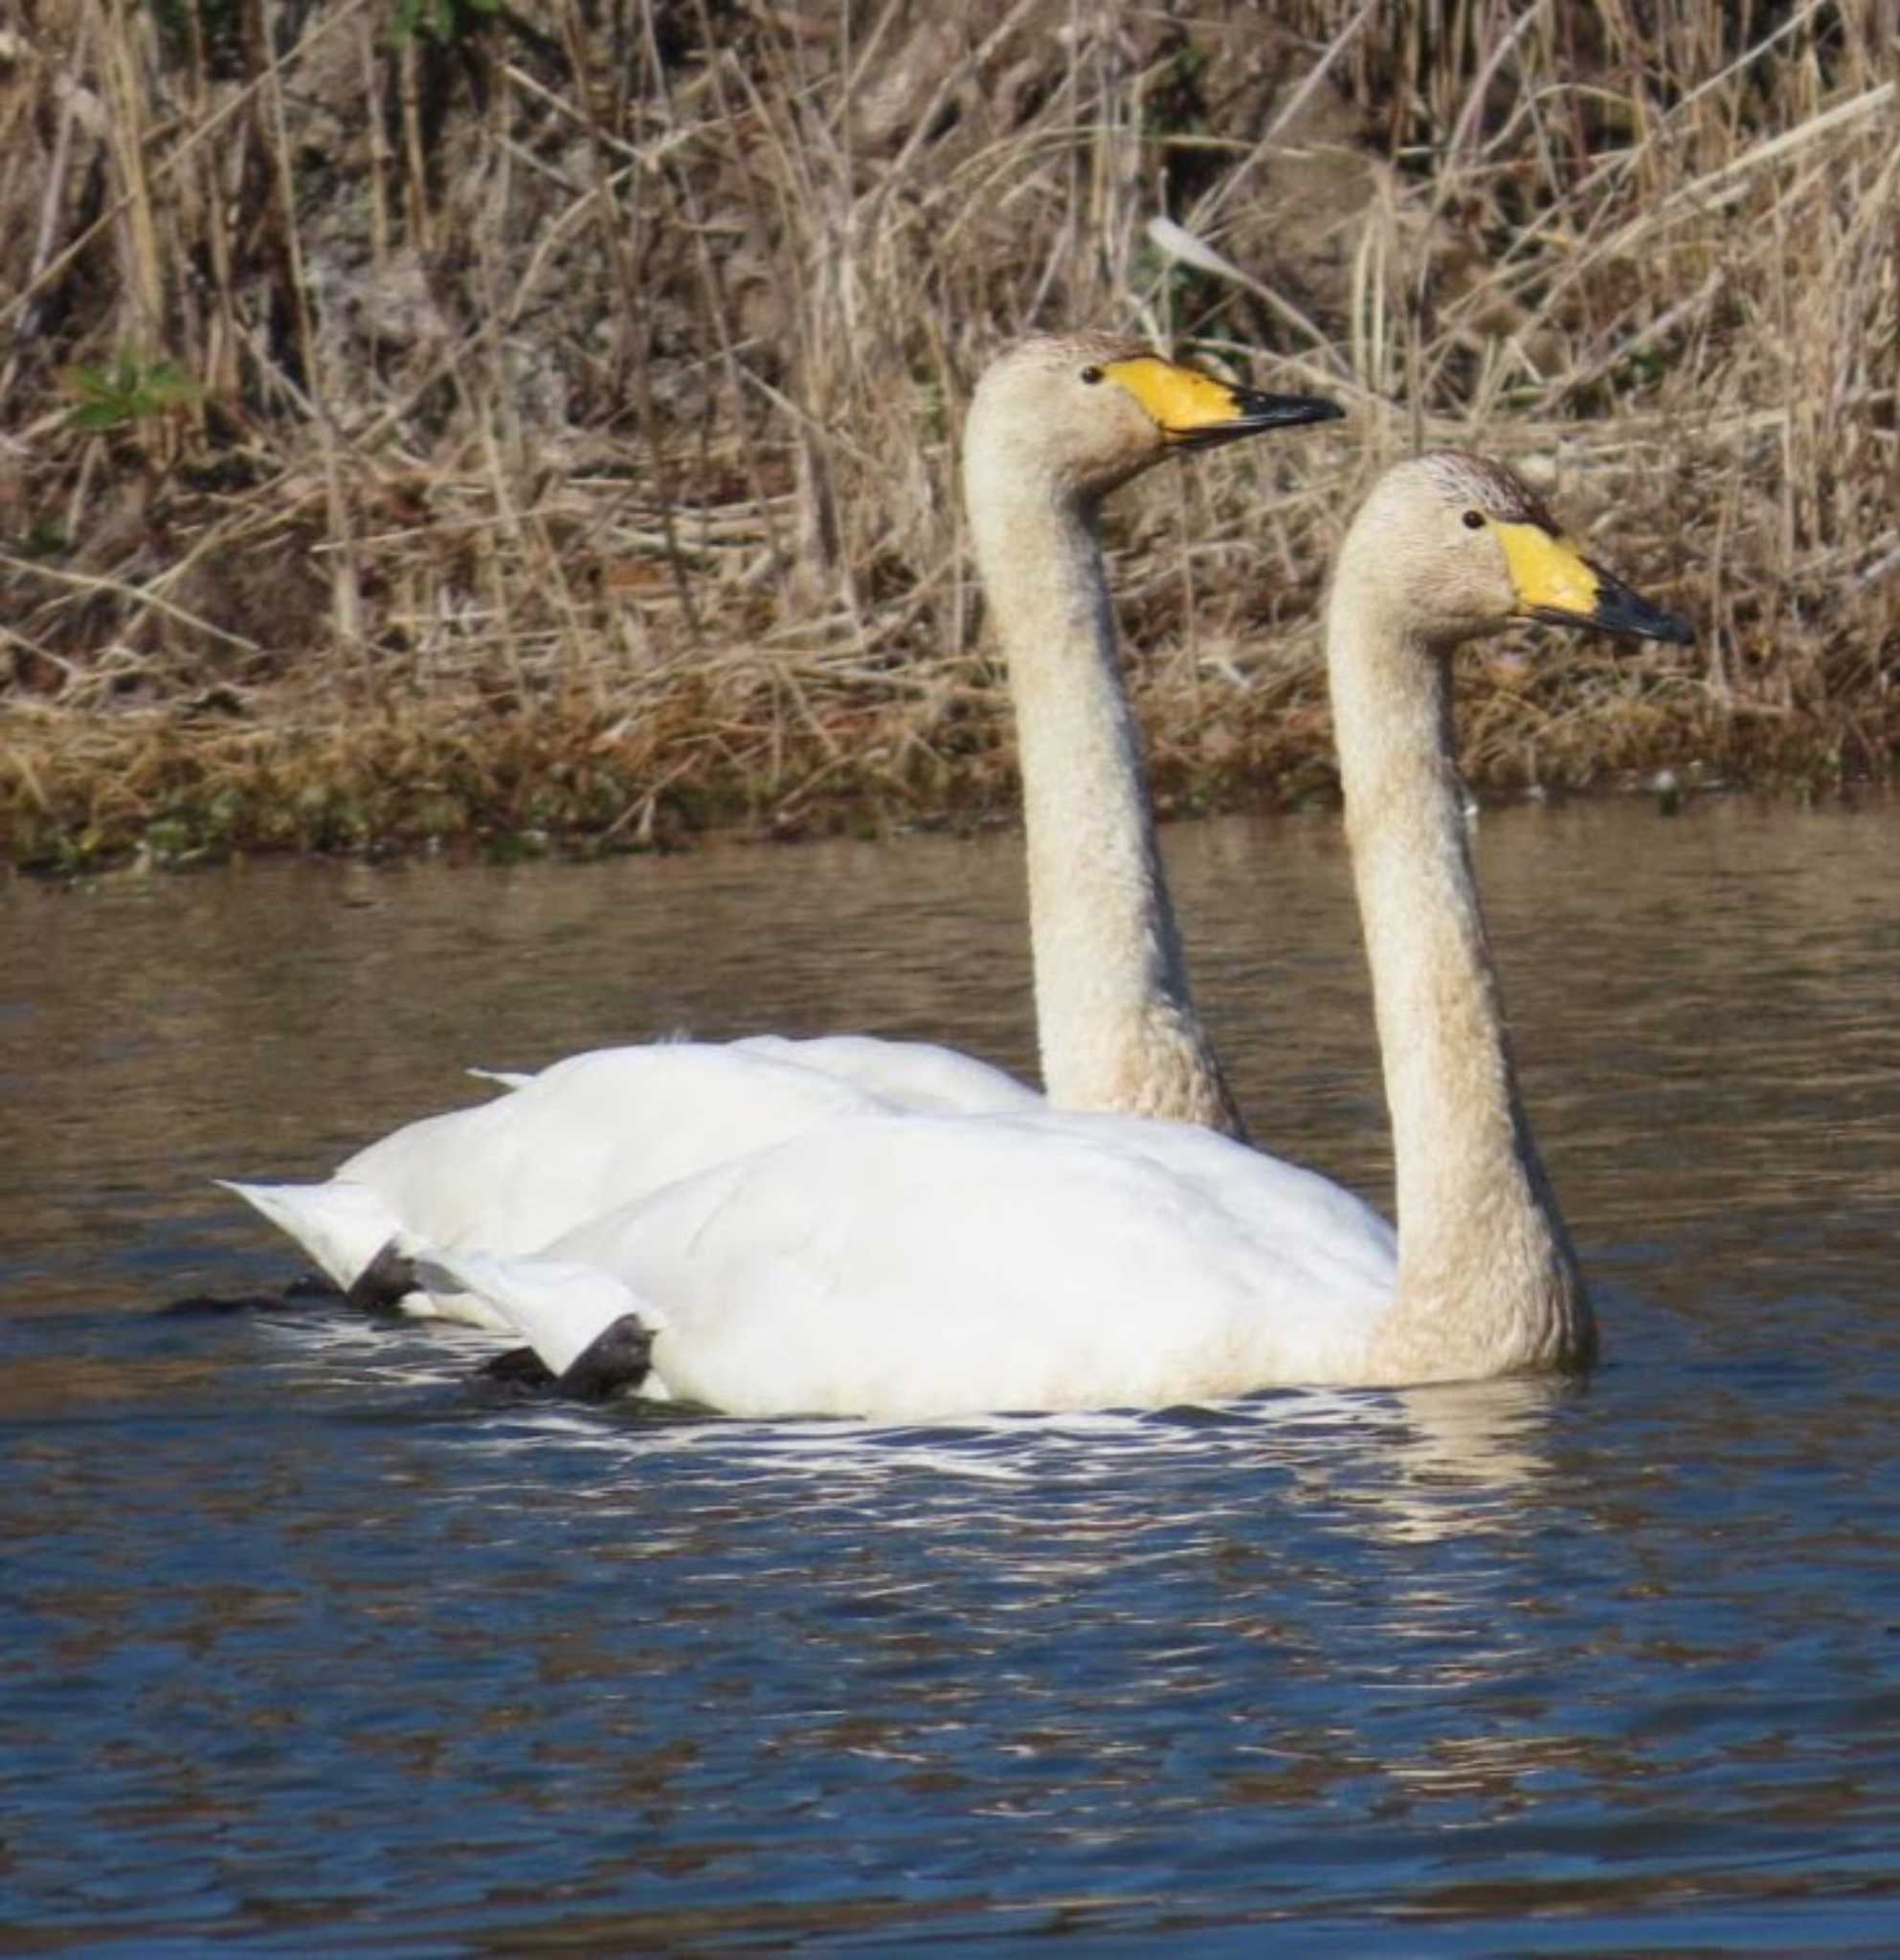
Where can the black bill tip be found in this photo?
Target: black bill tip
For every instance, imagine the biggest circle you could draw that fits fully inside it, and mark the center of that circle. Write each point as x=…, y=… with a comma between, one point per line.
x=1255, y=410
x=1621, y=611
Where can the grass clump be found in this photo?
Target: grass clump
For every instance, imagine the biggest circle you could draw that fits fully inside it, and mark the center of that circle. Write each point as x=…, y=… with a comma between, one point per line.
x=431, y=423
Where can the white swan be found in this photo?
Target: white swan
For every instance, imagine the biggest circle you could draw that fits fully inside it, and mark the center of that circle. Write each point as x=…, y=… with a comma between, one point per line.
x=915, y=1266
x=1055, y=424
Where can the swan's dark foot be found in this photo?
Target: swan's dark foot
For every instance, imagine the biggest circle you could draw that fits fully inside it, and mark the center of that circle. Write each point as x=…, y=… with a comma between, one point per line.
x=619, y=1358
x=381, y=1286
x=520, y=1368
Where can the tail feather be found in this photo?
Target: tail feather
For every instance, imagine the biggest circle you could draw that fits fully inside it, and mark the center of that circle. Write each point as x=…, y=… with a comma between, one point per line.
x=559, y=1306
x=343, y=1226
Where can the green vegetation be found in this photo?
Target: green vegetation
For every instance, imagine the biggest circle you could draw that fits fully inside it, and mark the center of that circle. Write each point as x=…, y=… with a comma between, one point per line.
x=127, y=390
x=531, y=427
x=443, y=20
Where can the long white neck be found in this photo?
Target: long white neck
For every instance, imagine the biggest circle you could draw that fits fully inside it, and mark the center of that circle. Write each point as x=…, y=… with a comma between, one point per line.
x=1487, y=1282
x=1116, y=1021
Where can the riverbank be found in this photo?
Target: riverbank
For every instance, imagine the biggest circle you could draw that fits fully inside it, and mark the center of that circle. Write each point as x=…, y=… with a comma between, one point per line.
x=173, y=788
x=504, y=430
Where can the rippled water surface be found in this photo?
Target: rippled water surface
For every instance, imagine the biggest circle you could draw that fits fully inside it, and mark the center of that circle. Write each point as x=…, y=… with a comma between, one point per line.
x=309, y=1643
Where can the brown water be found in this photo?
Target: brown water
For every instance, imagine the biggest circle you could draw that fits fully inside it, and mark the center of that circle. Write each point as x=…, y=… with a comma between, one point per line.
x=308, y=1642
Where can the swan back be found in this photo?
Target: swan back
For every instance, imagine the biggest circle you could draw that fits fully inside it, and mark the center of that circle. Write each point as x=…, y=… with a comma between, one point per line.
x=574, y=1140
x=913, y=1267
x=914, y=1074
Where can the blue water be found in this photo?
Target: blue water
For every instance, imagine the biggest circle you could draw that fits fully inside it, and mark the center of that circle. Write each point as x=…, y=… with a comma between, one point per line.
x=310, y=1639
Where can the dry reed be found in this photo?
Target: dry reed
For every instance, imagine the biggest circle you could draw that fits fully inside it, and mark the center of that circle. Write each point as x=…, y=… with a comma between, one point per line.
x=428, y=419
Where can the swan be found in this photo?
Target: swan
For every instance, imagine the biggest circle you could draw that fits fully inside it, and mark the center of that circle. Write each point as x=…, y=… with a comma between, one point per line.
x=1055, y=425
x=913, y=1267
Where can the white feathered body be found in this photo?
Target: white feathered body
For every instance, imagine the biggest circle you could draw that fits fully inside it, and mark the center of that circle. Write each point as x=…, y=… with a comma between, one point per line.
x=593, y=1131
x=909, y=1267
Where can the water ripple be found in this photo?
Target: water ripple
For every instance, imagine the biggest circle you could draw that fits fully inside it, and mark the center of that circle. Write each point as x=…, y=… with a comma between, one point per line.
x=311, y=1640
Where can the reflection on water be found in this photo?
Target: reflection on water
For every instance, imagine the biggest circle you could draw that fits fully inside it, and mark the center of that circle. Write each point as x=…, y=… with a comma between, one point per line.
x=309, y=1639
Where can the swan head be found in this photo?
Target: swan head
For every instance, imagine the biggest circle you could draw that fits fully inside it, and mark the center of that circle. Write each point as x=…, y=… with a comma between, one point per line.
x=1078, y=415
x=1463, y=546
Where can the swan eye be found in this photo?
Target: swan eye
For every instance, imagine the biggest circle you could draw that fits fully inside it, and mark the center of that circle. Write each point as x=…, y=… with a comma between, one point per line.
x=1091, y=375
x=1474, y=519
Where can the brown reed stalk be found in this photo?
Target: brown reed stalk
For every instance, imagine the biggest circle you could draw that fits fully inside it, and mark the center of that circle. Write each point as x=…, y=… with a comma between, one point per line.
x=568, y=445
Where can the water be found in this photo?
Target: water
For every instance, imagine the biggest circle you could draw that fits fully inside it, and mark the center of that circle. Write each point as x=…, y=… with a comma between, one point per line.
x=309, y=1642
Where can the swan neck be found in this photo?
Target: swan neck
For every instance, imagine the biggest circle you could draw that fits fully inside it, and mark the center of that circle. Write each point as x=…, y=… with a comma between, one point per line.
x=1115, y=1017
x=1487, y=1282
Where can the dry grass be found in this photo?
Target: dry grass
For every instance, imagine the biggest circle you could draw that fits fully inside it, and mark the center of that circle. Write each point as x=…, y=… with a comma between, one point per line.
x=541, y=426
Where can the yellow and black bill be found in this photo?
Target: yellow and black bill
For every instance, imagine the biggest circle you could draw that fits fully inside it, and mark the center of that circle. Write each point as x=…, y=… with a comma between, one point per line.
x=1198, y=411
x=1557, y=584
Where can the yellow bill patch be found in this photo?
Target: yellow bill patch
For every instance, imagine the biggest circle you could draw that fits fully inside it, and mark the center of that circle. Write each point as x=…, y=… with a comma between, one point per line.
x=1182, y=400
x=1548, y=573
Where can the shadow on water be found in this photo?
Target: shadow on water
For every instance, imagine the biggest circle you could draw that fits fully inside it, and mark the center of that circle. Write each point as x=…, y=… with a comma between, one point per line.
x=311, y=1639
